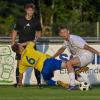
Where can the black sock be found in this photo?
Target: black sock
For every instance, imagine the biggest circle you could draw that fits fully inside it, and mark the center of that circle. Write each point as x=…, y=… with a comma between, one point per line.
x=17, y=75
x=38, y=76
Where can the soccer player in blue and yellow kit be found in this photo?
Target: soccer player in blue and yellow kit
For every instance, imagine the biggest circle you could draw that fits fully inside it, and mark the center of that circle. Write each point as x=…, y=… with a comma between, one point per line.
x=40, y=61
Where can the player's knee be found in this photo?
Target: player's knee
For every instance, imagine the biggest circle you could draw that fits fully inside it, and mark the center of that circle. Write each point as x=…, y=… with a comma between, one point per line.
x=68, y=64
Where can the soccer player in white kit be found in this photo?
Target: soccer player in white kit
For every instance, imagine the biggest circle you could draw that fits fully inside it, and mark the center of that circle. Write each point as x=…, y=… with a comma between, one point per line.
x=82, y=53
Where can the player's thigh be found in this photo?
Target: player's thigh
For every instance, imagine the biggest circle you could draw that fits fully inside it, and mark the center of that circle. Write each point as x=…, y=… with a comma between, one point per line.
x=52, y=64
x=47, y=76
x=75, y=61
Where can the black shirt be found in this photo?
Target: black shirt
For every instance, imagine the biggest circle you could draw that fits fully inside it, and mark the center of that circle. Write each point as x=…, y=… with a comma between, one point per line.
x=27, y=28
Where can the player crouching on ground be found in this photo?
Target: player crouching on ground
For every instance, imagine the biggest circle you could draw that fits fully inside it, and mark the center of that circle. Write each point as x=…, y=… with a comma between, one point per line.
x=41, y=61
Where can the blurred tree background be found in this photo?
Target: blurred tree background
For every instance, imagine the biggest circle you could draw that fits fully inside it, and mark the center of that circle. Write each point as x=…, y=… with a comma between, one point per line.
x=80, y=15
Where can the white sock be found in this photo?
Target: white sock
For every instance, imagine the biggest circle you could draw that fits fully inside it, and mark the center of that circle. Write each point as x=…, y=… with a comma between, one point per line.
x=72, y=78
x=80, y=79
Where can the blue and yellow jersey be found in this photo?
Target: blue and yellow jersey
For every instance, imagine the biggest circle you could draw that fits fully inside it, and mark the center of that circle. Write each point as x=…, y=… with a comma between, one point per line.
x=32, y=58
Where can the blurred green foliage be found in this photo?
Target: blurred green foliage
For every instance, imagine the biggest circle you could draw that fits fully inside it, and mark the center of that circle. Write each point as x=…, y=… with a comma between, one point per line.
x=8, y=14
x=80, y=15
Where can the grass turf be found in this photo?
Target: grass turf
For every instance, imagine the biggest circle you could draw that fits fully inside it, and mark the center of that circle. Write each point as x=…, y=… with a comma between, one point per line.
x=47, y=93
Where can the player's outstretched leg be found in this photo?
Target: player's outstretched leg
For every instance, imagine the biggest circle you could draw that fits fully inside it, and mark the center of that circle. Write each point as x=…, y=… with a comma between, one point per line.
x=73, y=87
x=62, y=84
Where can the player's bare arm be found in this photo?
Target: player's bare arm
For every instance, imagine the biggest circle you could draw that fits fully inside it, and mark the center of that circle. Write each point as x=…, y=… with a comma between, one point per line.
x=87, y=47
x=61, y=50
x=14, y=35
x=37, y=35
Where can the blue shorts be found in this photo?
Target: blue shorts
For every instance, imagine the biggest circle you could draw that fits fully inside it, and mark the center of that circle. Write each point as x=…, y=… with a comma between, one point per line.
x=50, y=65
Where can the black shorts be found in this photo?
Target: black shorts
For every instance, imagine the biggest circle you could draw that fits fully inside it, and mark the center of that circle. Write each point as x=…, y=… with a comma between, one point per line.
x=18, y=56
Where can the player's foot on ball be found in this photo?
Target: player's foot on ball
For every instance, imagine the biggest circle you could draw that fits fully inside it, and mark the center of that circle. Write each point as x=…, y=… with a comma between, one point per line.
x=73, y=88
x=62, y=84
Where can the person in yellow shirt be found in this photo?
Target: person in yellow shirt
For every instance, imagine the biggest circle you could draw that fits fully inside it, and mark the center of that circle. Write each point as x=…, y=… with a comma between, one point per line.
x=40, y=61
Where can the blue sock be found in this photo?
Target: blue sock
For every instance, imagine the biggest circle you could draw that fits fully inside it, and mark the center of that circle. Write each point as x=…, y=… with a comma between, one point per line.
x=51, y=82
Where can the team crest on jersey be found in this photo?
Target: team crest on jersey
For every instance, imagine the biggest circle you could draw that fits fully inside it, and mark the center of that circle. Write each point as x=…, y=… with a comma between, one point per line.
x=30, y=60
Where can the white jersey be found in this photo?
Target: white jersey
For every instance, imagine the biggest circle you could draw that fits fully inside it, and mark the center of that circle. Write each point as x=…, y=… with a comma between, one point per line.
x=75, y=45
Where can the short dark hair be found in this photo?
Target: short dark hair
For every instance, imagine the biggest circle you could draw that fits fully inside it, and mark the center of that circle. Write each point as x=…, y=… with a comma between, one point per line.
x=15, y=47
x=63, y=27
x=30, y=5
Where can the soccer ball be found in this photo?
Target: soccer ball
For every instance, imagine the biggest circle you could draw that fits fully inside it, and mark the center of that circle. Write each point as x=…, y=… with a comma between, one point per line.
x=84, y=86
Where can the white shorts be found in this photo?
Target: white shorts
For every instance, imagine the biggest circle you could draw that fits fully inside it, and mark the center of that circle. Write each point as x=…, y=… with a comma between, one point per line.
x=86, y=58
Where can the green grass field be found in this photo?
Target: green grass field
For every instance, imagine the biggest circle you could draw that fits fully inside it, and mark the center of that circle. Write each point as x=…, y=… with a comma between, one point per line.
x=47, y=93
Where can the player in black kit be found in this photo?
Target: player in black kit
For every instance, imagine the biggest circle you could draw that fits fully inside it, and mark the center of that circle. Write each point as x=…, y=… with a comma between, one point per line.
x=27, y=28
